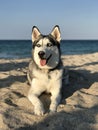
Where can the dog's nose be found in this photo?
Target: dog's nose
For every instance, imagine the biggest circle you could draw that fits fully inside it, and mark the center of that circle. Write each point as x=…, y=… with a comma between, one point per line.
x=41, y=54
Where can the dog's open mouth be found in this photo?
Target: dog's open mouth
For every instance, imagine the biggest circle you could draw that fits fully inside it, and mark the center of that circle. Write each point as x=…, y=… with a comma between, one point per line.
x=44, y=61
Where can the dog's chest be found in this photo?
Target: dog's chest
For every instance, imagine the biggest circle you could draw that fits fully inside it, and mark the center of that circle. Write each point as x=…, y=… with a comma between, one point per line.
x=47, y=80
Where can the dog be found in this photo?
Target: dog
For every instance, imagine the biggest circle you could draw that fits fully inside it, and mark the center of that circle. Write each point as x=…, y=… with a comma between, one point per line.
x=45, y=70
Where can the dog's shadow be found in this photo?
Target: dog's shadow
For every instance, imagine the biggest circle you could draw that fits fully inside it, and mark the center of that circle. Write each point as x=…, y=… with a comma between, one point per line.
x=76, y=80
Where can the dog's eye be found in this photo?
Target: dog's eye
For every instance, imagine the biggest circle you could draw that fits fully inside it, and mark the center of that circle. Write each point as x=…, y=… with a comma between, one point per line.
x=49, y=44
x=38, y=45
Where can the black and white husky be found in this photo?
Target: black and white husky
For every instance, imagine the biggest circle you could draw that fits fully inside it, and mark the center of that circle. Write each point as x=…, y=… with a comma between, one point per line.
x=45, y=69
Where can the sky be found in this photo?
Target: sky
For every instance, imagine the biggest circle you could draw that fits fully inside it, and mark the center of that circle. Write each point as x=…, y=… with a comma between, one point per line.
x=78, y=19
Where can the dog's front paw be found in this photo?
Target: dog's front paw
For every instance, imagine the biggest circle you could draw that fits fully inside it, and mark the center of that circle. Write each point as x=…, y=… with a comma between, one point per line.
x=39, y=111
x=53, y=108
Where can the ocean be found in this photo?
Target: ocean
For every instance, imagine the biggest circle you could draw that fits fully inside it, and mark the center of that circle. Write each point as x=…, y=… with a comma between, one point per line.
x=11, y=49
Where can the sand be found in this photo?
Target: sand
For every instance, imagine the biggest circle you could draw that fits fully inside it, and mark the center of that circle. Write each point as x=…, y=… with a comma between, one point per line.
x=78, y=109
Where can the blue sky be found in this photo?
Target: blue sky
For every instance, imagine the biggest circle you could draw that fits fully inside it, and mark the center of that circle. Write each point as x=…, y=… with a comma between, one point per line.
x=78, y=19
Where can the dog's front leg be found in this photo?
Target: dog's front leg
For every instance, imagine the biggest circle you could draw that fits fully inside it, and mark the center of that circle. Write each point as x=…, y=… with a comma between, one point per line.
x=55, y=97
x=33, y=95
x=55, y=100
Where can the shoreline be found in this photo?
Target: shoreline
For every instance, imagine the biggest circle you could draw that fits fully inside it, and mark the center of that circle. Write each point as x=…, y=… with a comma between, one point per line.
x=79, y=106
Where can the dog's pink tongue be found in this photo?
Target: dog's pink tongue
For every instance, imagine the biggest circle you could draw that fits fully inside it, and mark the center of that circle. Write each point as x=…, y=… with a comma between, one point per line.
x=43, y=62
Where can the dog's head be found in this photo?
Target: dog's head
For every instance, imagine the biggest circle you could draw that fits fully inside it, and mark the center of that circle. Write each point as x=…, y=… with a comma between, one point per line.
x=46, y=48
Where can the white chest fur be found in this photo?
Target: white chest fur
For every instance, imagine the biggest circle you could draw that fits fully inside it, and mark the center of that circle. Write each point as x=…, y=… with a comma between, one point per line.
x=44, y=81
x=49, y=82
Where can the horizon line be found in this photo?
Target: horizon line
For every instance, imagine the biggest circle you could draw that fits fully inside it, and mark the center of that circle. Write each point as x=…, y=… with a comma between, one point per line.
x=61, y=39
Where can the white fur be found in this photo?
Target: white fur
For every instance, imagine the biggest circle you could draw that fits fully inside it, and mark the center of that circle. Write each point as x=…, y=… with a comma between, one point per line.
x=50, y=83
x=53, y=61
x=45, y=79
x=56, y=34
x=35, y=34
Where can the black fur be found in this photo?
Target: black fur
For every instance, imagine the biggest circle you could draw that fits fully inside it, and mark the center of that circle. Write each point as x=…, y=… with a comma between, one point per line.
x=51, y=39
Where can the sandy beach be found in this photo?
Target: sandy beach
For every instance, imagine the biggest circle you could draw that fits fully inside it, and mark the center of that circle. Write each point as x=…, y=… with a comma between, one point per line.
x=78, y=109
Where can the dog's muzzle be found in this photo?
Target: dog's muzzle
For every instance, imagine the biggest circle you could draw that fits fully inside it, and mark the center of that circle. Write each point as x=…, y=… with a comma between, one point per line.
x=43, y=59
x=41, y=54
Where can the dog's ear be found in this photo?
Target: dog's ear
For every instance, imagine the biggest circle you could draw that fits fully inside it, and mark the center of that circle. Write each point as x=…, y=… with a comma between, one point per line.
x=35, y=33
x=56, y=33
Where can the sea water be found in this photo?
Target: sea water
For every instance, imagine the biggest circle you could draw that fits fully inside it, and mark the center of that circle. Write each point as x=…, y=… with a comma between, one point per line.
x=11, y=49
